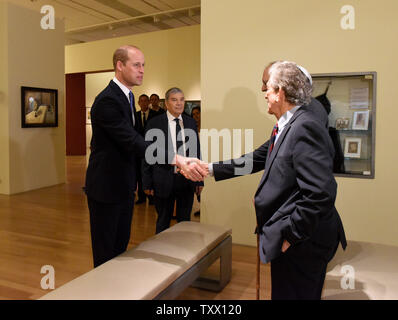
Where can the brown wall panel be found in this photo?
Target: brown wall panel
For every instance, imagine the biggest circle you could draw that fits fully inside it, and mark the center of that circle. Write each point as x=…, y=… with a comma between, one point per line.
x=75, y=114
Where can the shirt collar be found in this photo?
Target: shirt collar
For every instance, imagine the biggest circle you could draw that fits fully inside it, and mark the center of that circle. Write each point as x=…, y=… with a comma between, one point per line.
x=125, y=90
x=171, y=117
x=285, y=118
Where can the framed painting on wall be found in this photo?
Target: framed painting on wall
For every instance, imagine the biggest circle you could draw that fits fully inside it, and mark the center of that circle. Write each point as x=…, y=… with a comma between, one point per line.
x=39, y=107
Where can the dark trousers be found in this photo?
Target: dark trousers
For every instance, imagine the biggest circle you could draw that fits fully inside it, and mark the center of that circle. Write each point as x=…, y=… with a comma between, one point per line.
x=140, y=191
x=182, y=195
x=299, y=273
x=110, y=226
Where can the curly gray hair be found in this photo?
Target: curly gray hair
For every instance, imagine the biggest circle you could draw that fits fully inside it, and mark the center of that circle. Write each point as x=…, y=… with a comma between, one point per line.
x=287, y=76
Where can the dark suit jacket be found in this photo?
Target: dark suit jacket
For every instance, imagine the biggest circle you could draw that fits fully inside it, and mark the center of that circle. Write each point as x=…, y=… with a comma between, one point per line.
x=296, y=195
x=160, y=177
x=140, y=126
x=115, y=145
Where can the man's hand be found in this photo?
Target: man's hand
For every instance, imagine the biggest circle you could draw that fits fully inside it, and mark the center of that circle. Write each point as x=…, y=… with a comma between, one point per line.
x=285, y=245
x=198, y=190
x=149, y=192
x=192, y=168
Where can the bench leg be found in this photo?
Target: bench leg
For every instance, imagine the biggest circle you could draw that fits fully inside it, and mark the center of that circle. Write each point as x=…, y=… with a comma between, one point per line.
x=225, y=254
x=222, y=251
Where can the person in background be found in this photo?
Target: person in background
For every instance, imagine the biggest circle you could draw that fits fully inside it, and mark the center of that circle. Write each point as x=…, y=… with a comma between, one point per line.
x=164, y=182
x=145, y=114
x=154, y=101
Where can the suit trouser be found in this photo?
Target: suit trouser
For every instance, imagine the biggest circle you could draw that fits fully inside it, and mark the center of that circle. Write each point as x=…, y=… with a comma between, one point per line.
x=110, y=225
x=182, y=195
x=299, y=273
x=140, y=189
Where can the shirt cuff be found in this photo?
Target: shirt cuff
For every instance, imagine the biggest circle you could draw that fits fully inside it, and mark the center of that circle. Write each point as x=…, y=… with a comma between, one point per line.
x=211, y=172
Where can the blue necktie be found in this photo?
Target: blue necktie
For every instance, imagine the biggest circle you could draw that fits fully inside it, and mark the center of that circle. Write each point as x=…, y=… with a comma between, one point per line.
x=131, y=96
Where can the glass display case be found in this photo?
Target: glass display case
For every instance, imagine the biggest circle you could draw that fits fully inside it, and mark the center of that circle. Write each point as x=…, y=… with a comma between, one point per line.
x=350, y=100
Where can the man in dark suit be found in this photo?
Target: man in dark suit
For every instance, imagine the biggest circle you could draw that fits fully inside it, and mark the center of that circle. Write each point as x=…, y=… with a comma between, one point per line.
x=163, y=181
x=298, y=225
x=143, y=116
x=111, y=174
x=154, y=100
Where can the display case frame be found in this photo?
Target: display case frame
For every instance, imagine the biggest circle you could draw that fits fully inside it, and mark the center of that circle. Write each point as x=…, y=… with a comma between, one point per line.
x=353, y=118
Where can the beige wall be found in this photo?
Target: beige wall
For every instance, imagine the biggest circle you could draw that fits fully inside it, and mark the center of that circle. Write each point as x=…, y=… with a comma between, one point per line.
x=4, y=141
x=35, y=59
x=233, y=54
x=172, y=58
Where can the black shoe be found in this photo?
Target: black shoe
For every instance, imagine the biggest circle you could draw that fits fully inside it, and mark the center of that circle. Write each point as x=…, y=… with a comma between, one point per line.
x=140, y=201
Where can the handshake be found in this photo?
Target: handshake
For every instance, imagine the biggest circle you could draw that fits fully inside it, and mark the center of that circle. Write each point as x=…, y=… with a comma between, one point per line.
x=192, y=168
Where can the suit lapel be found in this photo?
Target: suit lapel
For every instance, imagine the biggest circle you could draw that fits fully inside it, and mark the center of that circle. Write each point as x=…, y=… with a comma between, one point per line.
x=123, y=100
x=271, y=156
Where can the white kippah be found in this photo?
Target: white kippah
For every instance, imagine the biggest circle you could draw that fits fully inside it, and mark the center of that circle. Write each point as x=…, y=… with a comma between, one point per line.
x=307, y=74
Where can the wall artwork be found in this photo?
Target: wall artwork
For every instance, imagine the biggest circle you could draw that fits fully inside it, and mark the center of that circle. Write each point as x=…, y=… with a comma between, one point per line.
x=39, y=107
x=352, y=148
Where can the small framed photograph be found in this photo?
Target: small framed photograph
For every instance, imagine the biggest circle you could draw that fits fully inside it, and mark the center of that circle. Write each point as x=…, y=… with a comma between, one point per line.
x=339, y=123
x=360, y=120
x=342, y=123
x=88, y=116
x=352, y=148
x=39, y=107
x=346, y=123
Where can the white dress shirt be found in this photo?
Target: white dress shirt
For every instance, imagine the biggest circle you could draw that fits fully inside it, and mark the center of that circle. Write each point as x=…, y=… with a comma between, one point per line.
x=284, y=120
x=126, y=91
x=172, y=127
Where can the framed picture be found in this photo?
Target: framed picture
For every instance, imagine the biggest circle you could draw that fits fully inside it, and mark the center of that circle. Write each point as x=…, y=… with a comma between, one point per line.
x=39, y=107
x=342, y=123
x=352, y=148
x=189, y=105
x=88, y=117
x=360, y=120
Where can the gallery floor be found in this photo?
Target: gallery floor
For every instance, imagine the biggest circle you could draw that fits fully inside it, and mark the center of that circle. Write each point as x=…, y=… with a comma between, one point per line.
x=51, y=227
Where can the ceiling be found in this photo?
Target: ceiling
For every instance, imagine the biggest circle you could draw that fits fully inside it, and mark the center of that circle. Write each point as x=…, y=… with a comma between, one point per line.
x=91, y=20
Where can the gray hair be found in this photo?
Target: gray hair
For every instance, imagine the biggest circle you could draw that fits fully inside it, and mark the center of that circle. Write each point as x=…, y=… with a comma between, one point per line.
x=172, y=91
x=287, y=76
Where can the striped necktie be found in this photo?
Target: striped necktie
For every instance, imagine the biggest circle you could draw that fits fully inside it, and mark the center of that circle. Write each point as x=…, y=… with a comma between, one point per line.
x=273, y=137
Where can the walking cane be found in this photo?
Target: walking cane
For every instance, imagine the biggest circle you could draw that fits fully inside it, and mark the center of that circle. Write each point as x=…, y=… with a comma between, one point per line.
x=258, y=269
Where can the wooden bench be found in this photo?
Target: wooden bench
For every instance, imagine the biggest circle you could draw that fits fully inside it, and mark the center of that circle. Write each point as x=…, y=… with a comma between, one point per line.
x=159, y=268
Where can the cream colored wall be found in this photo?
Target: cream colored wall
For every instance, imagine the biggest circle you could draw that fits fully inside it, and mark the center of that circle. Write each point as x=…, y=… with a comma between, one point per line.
x=4, y=141
x=233, y=55
x=172, y=58
x=35, y=59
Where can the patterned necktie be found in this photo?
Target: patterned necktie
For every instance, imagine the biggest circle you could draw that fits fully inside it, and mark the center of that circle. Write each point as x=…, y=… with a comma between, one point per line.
x=131, y=96
x=273, y=137
x=180, y=149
